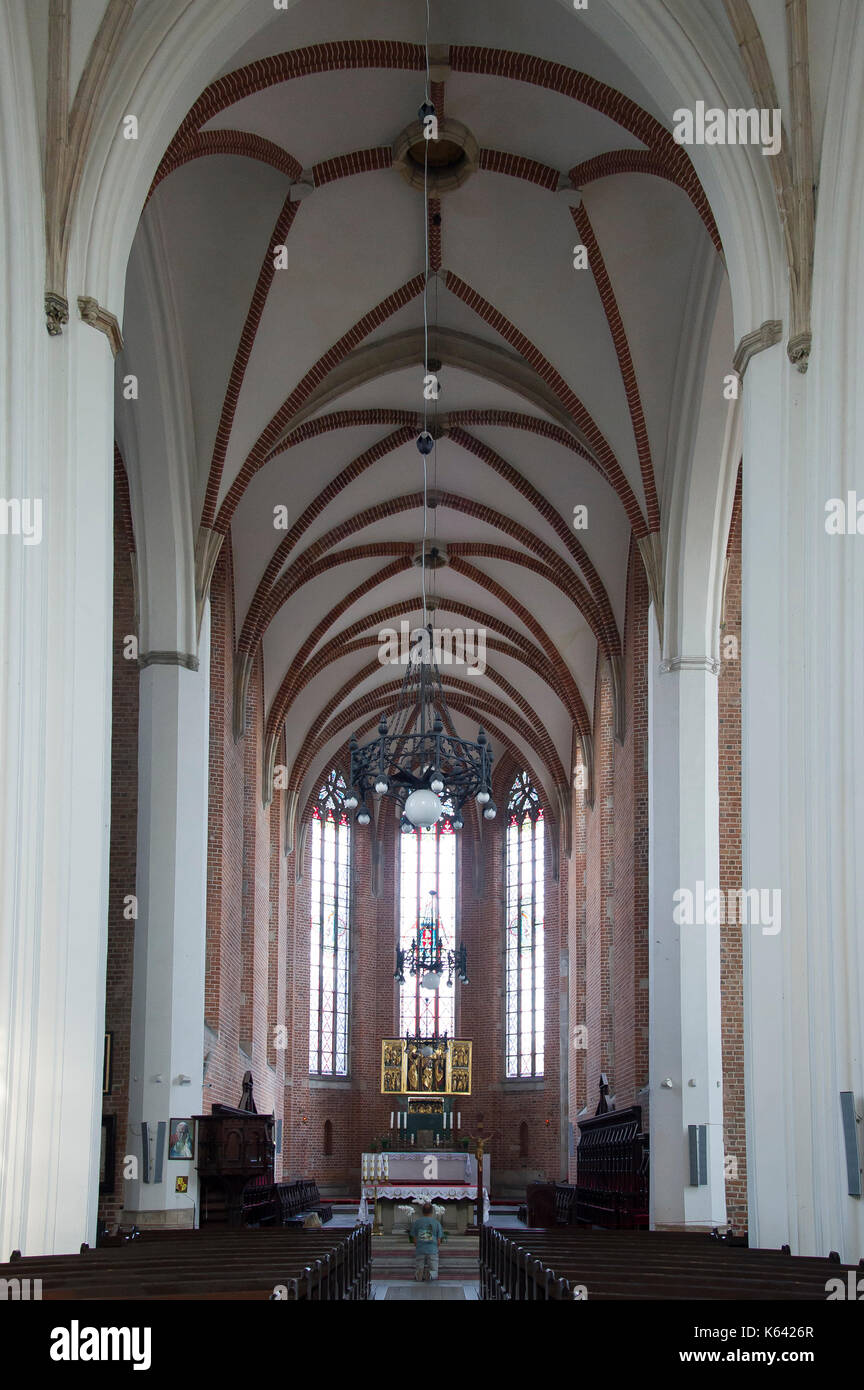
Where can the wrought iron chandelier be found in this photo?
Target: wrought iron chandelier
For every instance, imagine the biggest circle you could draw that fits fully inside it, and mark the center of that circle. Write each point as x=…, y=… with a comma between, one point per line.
x=426, y=1046
x=429, y=956
x=418, y=761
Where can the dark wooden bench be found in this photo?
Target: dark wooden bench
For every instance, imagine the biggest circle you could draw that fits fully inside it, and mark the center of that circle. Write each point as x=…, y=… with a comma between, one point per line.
x=266, y=1203
x=301, y=1198
x=556, y=1264
x=203, y=1264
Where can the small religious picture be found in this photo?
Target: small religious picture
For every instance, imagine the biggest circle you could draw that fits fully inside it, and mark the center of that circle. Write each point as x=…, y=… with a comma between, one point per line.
x=181, y=1184
x=107, y=1064
x=180, y=1141
x=393, y=1054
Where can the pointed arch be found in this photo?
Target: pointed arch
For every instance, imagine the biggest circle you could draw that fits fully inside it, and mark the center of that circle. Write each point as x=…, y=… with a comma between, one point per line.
x=329, y=929
x=524, y=933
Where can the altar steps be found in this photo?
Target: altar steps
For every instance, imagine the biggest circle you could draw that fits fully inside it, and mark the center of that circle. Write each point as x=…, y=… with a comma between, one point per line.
x=393, y=1259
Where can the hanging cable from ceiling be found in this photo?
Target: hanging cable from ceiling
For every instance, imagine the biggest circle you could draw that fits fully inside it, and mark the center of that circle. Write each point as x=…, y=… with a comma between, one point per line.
x=426, y=441
x=424, y=769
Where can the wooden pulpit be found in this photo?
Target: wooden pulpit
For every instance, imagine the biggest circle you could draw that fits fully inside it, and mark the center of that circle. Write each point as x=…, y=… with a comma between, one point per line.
x=234, y=1147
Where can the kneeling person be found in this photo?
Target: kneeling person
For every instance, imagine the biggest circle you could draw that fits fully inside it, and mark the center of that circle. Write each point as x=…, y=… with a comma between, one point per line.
x=425, y=1234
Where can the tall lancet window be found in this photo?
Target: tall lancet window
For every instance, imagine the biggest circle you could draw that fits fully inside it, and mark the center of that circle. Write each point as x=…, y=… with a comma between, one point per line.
x=525, y=933
x=329, y=936
x=427, y=864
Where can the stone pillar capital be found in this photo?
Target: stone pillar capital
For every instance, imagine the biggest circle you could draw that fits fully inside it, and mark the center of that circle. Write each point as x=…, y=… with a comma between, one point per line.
x=673, y=665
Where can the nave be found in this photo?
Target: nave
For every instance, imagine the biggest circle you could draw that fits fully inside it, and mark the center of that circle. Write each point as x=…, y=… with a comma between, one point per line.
x=431, y=587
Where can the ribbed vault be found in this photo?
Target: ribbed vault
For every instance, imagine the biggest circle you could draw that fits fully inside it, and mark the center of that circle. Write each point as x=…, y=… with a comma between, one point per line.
x=295, y=254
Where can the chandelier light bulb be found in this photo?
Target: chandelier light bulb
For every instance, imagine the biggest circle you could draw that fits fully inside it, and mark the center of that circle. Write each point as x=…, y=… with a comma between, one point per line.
x=423, y=808
x=457, y=822
x=490, y=812
x=405, y=826
x=436, y=782
x=363, y=816
x=482, y=798
x=382, y=785
x=431, y=980
x=350, y=803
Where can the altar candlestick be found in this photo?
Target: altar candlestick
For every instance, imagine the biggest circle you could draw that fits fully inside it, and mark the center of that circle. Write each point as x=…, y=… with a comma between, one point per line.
x=391, y=1119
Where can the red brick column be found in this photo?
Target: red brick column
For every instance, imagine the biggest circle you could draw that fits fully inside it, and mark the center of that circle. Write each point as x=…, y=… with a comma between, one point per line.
x=599, y=899
x=630, y=853
x=123, y=846
x=246, y=881
x=731, y=964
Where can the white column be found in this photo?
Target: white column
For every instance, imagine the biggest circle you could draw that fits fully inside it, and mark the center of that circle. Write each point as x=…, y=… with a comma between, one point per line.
x=685, y=1061
x=168, y=989
x=55, y=621
x=802, y=697
x=770, y=712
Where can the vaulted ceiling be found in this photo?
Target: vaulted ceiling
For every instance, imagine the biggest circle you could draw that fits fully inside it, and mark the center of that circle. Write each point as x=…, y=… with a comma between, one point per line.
x=305, y=380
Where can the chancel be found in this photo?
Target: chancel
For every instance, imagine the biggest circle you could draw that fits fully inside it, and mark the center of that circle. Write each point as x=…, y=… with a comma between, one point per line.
x=431, y=605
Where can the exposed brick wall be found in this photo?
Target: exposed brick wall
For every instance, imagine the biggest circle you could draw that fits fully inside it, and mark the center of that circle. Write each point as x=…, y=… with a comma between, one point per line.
x=123, y=846
x=599, y=898
x=630, y=851
x=731, y=962
x=245, y=884
x=607, y=932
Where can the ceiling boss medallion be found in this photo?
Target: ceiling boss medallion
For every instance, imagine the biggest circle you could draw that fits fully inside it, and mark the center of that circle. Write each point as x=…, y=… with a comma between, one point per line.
x=439, y=163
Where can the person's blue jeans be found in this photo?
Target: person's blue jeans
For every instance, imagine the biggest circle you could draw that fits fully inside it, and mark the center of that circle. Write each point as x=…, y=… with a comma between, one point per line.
x=426, y=1258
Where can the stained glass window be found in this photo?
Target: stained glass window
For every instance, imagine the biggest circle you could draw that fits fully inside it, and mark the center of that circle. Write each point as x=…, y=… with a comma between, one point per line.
x=525, y=932
x=329, y=935
x=427, y=864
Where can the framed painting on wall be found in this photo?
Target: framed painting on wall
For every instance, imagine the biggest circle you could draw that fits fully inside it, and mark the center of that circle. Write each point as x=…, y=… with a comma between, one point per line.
x=106, y=1156
x=107, y=1064
x=181, y=1139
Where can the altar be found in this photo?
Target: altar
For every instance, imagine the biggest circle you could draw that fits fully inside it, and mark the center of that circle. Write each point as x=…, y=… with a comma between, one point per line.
x=397, y=1185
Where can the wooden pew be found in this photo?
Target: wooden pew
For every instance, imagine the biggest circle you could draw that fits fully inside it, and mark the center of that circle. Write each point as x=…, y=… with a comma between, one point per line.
x=555, y=1264
x=266, y=1203
x=303, y=1265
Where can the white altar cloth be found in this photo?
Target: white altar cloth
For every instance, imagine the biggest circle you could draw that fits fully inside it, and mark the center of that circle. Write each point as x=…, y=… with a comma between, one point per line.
x=419, y=1192
x=420, y=1166
x=430, y=1167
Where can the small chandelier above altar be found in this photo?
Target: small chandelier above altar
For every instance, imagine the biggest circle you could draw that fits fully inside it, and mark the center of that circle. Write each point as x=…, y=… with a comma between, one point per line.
x=428, y=955
x=417, y=760
x=427, y=1047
